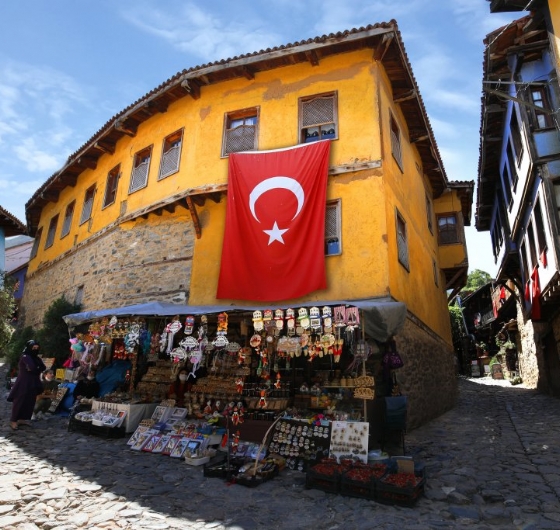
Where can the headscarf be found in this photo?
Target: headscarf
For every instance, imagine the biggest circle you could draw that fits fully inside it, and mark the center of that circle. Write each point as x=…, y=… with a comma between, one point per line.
x=29, y=348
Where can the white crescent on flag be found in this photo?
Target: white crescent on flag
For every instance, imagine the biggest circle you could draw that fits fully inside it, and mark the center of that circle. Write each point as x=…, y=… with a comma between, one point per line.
x=272, y=183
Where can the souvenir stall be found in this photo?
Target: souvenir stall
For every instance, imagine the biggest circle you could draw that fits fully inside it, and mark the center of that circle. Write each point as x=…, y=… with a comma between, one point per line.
x=297, y=384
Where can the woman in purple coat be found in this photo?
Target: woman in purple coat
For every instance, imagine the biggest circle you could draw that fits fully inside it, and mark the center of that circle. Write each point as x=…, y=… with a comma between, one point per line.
x=27, y=386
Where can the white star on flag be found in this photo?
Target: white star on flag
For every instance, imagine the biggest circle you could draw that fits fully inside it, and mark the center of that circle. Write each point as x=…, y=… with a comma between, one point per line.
x=275, y=234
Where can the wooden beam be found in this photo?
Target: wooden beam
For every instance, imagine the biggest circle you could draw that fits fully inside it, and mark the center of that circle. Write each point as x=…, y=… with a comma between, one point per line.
x=199, y=200
x=248, y=73
x=191, y=87
x=312, y=57
x=87, y=161
x=405, y=96
x=380, y=50
x=104, y=147
x=194, y=215
x=121, y=127
x=417, y=139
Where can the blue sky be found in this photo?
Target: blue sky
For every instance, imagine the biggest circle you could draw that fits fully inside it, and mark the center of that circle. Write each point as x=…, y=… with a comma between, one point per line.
x=67, y=67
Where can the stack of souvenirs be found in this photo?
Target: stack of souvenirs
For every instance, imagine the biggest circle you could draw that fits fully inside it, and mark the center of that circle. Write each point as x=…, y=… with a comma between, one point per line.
x=240, y=365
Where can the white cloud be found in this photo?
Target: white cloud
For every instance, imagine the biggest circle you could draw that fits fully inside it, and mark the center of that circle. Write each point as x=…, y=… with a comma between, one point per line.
x=35, y=159
x=203, y=34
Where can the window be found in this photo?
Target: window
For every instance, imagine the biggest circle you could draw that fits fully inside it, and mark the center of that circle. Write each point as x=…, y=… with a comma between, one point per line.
x=79, y=295
x=333, y=246
x=556, y=189
x=512, y=176
x=396, y=141
x=318, y=117
x=448, y=232
x=497, y=235
x=524, y=264
x=506, y=183
x=402, y=241
x=532, y=247
x=67, y=219
x=140, y=170
x=516, y=136
x=111, y=186
x=539, y=96
x=36, y=242
x=240, y=131
x=88, y=204
x=436, y=272
x=429, y=213
x=539, y=226
x=52, y=230
x=171, y=155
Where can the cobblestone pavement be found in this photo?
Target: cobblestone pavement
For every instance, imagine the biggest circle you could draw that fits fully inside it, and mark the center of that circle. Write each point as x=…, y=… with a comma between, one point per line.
x=491, y=462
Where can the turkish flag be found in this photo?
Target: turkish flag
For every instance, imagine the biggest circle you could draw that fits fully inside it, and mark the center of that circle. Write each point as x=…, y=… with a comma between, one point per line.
x=274, y=240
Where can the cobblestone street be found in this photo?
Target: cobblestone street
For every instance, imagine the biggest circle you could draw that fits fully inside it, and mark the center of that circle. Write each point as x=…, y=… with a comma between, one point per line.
x=492, y=462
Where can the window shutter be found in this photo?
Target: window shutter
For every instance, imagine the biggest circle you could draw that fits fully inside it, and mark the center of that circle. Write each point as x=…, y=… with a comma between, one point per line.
x=139, y=176
x=317, y=111
x=170, y=161
x=241, y=138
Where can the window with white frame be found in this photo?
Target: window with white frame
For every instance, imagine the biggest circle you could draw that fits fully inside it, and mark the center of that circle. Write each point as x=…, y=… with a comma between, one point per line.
x=52, y=230
x=333, y=240
x=396, y=141
x=542, y=119
x=540, y=229
x=516, y=136
x=240, y=131
x=87, y=208
x=111, y=186
x=402, y=241
x=171, y=154
x=36, y=243
x=140, y=170
x=67, y=223
x=318, y=117
x=448, y=229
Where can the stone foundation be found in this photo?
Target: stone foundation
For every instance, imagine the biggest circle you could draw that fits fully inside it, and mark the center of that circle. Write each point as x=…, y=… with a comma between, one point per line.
x=149, y=259
x=429, y=374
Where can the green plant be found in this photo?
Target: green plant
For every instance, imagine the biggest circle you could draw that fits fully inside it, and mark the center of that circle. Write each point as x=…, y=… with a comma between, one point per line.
x=494, y=360
x=17, y=343
x=516, y=380
x=7, y=306
x=53, y=336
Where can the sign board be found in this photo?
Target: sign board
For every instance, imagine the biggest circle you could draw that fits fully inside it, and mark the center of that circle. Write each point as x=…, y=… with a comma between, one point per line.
x=497, y=372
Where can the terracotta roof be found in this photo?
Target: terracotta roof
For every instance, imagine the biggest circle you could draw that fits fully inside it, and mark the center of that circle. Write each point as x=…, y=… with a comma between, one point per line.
x=12, y=225
x=383, y=38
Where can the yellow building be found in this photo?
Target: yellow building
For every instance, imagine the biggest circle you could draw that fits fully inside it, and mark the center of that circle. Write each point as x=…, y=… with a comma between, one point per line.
x=138, y=212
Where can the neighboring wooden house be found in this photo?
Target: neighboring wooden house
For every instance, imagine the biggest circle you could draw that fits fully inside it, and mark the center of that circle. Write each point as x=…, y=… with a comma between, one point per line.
x=518, y=197
x=9, y=226
x=18, y=250
x=138, y=212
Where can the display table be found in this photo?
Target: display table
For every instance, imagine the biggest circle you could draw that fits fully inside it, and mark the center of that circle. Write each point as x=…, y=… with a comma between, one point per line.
x=135, y=413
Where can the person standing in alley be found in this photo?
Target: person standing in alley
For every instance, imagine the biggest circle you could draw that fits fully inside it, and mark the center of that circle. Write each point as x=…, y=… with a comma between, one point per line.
x=28, y=385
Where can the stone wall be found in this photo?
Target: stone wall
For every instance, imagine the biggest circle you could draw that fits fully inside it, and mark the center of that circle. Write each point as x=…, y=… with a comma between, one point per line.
x=429, y=374
x=143, y=261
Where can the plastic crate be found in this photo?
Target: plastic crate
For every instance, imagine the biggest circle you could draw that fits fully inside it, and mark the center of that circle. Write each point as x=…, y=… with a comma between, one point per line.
x=357, y=488
x=401, y=496
x=75, y=425
x=360, y=480
x=330, y=483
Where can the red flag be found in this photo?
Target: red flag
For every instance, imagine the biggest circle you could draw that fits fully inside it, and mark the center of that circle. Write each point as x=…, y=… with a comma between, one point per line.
x=275, y=224
x=536, y=293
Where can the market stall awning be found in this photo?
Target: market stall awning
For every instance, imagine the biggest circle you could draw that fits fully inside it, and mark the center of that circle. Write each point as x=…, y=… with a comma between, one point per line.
x=383, y=317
